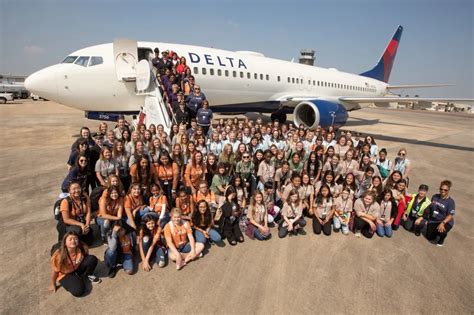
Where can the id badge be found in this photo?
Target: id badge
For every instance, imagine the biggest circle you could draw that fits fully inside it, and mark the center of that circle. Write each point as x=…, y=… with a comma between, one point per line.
x=166, y=183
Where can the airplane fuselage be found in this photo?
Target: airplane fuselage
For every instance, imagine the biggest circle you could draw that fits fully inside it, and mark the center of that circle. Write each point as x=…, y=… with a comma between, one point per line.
x=227, y=78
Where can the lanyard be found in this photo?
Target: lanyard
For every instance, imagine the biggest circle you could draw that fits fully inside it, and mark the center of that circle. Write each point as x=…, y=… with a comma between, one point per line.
x=367, y=209
x=384, y=208
x=79, y=206
x=166, y=171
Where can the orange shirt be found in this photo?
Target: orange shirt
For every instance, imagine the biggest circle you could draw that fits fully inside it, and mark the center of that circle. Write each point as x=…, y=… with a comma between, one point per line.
x=71, y=265
x=166, y=173
x=145, y=179
x=178, y=233
x=78, y=209
x=184, y=205
x=194, y=173
x=210, y=197
x=126, y=244
x=111, y=208
x=132, y=202
x=156, y=203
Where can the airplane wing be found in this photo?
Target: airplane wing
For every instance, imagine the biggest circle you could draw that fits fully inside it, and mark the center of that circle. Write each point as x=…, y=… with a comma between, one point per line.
x=415, y=86
x=401, y=99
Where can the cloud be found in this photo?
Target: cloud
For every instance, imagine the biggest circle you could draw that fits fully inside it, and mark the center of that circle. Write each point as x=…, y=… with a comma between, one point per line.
x=233, y=23
x=33, y=50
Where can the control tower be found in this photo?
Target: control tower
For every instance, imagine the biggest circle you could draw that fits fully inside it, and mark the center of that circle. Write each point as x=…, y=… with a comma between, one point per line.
x=307, y=57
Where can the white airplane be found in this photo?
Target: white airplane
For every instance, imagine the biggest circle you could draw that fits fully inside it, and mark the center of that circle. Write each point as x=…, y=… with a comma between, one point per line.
x=116, y=78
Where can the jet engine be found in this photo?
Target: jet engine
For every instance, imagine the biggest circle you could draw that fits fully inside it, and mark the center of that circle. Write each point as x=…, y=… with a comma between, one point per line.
x=320, y=112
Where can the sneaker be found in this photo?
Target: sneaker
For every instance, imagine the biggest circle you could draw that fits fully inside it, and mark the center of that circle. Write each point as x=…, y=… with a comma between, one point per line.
x=357, y=234
x=119, y=265
x=417, y=233
x=104, y=240
x=161, y=263
x=200, y=255
x=439, y=244
x=94, y=279
x=112, y=272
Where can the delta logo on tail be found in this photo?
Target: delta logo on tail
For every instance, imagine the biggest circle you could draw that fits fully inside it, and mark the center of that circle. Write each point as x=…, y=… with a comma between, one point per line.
x=383, y=68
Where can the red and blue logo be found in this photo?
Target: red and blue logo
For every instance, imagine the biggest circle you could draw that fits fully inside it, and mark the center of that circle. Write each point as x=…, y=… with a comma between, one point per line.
x=383, y=68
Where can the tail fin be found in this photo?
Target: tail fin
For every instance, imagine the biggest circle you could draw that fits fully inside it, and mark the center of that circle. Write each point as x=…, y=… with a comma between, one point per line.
x=382, y=70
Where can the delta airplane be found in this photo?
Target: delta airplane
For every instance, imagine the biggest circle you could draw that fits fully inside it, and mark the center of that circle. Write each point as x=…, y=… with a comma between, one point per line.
x=116, y=78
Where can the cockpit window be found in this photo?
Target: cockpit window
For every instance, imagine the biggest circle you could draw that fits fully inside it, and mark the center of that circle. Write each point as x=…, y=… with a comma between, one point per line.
x=82, y=61
x=69, y=59
x=95, y=61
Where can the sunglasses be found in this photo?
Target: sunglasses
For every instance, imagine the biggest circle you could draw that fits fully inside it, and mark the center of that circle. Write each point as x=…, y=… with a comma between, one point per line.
x=403, y=154
x=442, y=189
x=246, y=157
x=82, y=161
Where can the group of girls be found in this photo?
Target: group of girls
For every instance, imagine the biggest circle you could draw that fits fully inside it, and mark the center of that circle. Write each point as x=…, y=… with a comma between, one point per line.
x=157, y=196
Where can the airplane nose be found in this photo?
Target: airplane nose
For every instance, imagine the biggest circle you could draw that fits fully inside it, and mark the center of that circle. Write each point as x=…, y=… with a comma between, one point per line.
x=43, y=83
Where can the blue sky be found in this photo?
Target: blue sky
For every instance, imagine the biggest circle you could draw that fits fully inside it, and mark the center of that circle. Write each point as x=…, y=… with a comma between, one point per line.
x=437, y=44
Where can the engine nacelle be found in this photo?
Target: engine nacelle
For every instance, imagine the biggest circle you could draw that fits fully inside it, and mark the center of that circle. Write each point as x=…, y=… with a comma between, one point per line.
x=320, y=112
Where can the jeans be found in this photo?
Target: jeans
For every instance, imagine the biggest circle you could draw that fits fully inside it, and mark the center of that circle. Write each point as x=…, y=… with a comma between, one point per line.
x=259, y=236
x=283, y=230
x=113, y=253
x=158, y=252
x=384, y=230
x=213, y=236
x=104, y=225
x=339, y=225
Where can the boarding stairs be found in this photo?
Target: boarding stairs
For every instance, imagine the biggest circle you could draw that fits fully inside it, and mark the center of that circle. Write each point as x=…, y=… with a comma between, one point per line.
x=154, y=109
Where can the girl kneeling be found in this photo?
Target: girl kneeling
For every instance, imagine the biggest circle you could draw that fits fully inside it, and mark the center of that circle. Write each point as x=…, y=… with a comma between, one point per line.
x=203, y=223
x=258, y=219
x=151, y=246
x=119, y=250
x=292, y=213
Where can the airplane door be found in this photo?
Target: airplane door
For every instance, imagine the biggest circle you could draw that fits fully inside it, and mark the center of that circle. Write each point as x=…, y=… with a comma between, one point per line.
x=126, y=58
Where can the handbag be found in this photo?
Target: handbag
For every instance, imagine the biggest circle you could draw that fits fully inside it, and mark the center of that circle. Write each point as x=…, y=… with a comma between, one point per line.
x=250, y=230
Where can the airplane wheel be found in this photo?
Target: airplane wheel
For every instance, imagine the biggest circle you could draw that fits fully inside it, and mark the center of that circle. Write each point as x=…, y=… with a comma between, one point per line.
x=281, y=117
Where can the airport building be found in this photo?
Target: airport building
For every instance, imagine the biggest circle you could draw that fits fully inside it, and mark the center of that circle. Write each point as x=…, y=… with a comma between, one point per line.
x=10, y=79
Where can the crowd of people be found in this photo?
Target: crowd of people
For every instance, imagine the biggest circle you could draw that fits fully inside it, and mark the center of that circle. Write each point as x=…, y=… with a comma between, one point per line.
x=160, y=196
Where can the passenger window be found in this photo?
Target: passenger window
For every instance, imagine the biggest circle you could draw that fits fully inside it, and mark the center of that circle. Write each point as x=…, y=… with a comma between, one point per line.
x=219, y=72
x=196, y=70
x=211, y=71
x=82, y=61
x=297, y=81
x=278, y=78
x=69, y=59
x=234, y=74
x=267, y=77
x=204, y=71
x=227, y=73
x=292, y=80
x=261, y=76
x=289, y=81
x=255, y=76
x=241, y=74
x=95, y=61
x=249, y=75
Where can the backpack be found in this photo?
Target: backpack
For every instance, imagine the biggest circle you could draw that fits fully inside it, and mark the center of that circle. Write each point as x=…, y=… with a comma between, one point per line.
x=94, y=197
x=57, y=207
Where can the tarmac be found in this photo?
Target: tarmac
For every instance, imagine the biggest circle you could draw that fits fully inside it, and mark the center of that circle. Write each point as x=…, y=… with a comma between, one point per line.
x=303, y=274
